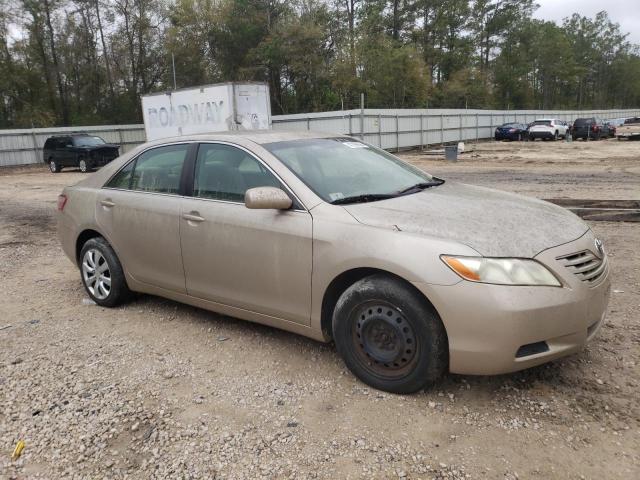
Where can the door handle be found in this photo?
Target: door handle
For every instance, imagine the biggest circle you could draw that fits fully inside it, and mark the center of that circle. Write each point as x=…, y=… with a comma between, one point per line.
x=107, y=203
x=193, y=217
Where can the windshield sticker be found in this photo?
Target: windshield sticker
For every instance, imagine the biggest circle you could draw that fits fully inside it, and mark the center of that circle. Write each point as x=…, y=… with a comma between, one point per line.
x=336, y=196
x=355, y=144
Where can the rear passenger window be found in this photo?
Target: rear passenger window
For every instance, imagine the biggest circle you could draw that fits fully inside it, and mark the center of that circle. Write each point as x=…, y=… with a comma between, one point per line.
x=157, y=170
x=122, y=179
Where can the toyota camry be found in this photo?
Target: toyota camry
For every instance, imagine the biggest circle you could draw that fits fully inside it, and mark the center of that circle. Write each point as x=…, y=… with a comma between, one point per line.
x=327, y=236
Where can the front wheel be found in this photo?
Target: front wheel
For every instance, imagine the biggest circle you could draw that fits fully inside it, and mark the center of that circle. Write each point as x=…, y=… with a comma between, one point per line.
x=84, y=165
x=389, y=336
x=102, y=274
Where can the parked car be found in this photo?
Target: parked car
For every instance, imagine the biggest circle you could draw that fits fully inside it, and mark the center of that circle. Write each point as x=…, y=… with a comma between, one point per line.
x=78, y=150
x=630, y=130
x=335, y=239
x=511, y=131
x=548, y=128
x=592, y=128
x=610, y=129
x=616, y=122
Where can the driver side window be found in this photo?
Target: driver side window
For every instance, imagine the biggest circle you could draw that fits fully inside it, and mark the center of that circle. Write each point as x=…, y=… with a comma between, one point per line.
x=225, y=173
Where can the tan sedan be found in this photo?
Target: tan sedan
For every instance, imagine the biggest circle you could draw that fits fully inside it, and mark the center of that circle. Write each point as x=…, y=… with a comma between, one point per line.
x=334, y=239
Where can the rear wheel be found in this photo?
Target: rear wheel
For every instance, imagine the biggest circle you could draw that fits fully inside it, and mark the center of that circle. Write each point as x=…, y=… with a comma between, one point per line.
x=556, y=136
x=389, y=336
x=102, y=274
x=54, y=166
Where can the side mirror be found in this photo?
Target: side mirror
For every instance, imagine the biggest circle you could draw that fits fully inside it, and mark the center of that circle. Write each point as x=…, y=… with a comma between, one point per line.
x=267, y=198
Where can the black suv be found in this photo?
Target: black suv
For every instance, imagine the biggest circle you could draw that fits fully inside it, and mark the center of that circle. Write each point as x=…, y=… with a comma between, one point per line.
x=590, y=128
x=78, y=150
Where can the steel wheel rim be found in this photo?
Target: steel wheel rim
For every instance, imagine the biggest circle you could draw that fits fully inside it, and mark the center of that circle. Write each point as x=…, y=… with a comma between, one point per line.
x=96, y=274
x=83, y=165
x=384, y=340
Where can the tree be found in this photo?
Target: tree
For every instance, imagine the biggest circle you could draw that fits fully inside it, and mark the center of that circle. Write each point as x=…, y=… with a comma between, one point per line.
x=88, y=61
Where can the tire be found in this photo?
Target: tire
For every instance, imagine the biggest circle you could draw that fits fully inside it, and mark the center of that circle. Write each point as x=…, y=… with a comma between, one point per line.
x=84, y=165
x=556, y=136
x=389, y=336
x=519, y=137
x=110, y=288
x=54, y=166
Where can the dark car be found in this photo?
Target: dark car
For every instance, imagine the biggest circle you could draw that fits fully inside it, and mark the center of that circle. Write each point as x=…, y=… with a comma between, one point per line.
x=610, y=127
x=590, y=128
x=511, y=131
x=78, y=150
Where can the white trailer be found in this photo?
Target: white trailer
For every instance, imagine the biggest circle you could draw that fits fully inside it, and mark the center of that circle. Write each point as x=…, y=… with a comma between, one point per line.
x=210, y=108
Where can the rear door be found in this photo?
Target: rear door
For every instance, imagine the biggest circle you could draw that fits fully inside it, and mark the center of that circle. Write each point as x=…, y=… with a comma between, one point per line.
x=139, y=211
x=258, y=260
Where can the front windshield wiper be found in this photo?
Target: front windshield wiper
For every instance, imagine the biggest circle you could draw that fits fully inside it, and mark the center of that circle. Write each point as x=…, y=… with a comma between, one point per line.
x=367, y=197
x=420, y=186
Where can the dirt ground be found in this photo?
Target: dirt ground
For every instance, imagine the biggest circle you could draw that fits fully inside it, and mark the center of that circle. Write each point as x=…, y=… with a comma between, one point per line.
x=156, y=389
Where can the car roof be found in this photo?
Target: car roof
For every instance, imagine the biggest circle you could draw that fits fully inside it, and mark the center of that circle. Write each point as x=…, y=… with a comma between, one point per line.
x=260, y=137
x=79, y=134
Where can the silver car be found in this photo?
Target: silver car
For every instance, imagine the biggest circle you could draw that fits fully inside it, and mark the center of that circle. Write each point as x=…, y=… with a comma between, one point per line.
x=332, y=238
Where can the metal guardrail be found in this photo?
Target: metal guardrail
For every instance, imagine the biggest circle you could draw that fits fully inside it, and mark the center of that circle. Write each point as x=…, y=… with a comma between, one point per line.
x=387, y=128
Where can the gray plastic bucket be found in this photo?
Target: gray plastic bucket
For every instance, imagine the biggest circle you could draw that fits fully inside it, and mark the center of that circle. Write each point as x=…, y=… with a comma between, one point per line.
x=451, y=152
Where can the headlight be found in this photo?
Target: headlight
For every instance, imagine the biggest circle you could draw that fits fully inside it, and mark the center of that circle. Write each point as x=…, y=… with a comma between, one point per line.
x=501, y=271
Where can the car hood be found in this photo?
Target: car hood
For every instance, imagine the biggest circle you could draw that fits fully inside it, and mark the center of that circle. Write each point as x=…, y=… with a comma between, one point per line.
x=492, y=222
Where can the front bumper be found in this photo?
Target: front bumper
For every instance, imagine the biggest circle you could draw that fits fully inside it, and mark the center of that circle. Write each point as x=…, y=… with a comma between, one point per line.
x=495, y=329
x=101, y=161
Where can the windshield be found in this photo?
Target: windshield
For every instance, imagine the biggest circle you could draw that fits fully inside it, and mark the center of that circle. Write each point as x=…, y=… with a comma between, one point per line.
x=542, y=122
x=511, y=125
x=337, y=169
x=88, y=141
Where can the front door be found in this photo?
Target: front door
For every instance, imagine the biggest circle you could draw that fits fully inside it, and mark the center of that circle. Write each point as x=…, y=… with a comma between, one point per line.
x=259, y=260
x=139, y=211
x=65, y=153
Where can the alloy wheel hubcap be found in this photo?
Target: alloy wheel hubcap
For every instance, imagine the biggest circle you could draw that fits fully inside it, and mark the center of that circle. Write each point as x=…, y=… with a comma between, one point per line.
x=83, y=166
x=384, y=339
x=52, y=166
x=96, y=274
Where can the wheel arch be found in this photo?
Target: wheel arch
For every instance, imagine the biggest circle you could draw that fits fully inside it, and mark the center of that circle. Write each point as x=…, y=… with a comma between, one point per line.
x=85, y=236
x=347, y=278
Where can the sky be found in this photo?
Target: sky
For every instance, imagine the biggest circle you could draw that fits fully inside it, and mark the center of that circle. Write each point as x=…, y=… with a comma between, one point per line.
x=624, y=12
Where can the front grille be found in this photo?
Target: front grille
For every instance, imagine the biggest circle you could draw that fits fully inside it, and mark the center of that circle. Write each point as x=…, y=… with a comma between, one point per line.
x=585, y=265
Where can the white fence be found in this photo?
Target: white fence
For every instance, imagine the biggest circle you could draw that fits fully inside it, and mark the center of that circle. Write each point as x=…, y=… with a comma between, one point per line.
x=22, y=147
x=395, y=129
x=389, y=129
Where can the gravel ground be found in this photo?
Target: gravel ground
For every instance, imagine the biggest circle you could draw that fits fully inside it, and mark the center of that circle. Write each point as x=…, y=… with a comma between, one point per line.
x=156, y=389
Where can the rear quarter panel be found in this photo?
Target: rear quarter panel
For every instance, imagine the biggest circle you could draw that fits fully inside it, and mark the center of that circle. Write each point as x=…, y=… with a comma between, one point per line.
x=78, y=215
